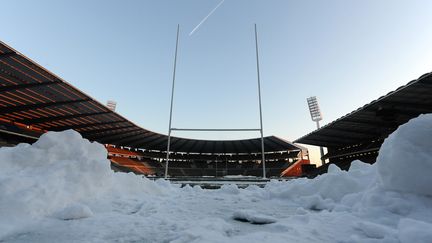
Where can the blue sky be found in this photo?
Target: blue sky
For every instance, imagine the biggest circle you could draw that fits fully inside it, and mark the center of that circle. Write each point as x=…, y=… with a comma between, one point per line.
x=347, y=53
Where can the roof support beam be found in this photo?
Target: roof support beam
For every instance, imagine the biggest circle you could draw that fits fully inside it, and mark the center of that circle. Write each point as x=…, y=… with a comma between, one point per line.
x=112, y=133
x=155, y=142
x=277, y=141
x=335, y=138
x=7, y=54
x=175, y=140
x=371, y=123
x=408, y=108
x=115, y=138
x=196, y=145
x=342, y=135
x=141, y=140
x=319, y=142
x=85, y=125
x=336, y=155
x=235, y=147
x=352, y=131
x=11, y=109
x=242, y=144
x=26, y=86
x=426, y=81
x=394, y=114
x=122, y=141
x=256, y=145
x=102, y=130
x=213, y=145
x=57, y=118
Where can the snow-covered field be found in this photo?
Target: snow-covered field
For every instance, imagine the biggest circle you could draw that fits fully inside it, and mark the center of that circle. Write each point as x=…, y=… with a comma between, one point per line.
x=61, y=189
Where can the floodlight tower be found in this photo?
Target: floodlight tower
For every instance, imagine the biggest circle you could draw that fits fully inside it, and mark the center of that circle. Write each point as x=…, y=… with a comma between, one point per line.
x=316, y=116
x=111, y=104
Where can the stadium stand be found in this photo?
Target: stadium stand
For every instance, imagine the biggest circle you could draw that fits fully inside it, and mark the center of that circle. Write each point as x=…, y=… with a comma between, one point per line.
x=184, y=168
x=359, y=134
x=132, y=164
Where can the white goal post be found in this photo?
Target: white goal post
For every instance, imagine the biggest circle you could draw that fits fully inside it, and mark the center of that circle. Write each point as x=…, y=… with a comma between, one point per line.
x=170, y=128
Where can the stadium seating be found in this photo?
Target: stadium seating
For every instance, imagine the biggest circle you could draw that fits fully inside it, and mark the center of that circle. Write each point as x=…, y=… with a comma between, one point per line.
x=134, y=165
x=139, y=162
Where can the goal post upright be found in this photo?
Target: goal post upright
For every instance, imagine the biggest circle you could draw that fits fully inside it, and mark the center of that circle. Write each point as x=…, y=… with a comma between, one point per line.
x=259, y=99
x=171, y=107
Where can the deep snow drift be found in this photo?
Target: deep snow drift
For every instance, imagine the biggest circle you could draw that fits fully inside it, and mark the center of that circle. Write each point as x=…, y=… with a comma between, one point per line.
x=61, y=189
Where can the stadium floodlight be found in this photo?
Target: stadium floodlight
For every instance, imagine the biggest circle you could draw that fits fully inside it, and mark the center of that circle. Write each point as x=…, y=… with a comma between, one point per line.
x=111, y=105
x=316, y=116
x=314, y=109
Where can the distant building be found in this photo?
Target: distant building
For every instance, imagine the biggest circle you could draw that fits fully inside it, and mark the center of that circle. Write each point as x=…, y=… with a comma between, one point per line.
x=111, y=105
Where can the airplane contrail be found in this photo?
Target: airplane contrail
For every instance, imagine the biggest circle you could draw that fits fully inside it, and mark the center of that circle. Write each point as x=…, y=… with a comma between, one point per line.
x=206, y=17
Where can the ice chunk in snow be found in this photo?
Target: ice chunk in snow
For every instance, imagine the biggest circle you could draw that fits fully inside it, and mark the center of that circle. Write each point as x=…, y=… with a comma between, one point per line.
x=405, y=158
x=74, y=211
x=252, y=217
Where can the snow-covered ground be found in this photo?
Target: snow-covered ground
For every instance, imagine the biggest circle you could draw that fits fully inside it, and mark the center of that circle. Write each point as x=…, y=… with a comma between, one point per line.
x=61, y=189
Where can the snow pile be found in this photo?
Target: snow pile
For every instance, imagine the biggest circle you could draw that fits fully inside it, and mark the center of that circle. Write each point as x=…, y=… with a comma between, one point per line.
x=62, y=189
x=54, y=175
x=42, y=178
x=405, y=158
x=391, y=200
x=325, y=191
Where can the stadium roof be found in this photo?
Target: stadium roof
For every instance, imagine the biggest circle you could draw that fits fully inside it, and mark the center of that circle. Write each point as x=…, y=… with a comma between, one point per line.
x=377, y=119
x=33, y=96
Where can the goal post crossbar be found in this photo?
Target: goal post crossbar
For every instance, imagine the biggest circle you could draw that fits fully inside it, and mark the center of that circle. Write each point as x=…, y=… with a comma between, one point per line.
x=217, y=129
